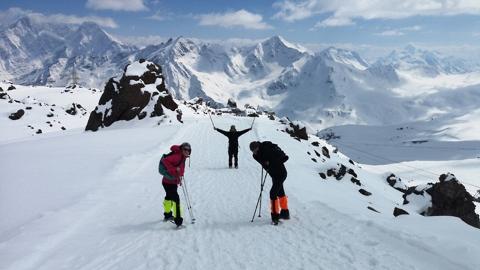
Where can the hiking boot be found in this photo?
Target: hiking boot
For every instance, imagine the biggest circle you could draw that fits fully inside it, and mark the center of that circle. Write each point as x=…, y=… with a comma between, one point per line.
x=178, y=221
x=275, y=218
x=284, y=214
x=167, y=216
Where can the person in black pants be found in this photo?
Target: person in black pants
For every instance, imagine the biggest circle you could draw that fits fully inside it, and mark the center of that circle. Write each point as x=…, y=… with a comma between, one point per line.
x=272, y=159
x=233, y=135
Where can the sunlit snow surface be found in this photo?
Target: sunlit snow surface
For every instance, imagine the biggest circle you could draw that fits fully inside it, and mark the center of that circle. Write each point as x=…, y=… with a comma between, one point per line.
x=93, y=200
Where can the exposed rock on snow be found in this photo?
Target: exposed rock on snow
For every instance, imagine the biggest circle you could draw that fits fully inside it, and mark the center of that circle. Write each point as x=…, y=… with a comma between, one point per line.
x=297, y=131
x=140, y=92
x=398, y=211
x=396, y=183
x=17, y=115
x=231, y=103
x=450, y=198
x=445, y=198
x=75, y=108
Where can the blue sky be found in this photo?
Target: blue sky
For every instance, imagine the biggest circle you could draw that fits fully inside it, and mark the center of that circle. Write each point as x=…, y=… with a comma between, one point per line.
x=380, y=23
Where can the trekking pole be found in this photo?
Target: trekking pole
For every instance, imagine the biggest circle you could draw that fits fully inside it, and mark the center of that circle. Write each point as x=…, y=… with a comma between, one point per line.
x=259, y=201
x=209, y=115
x=187, y=200
x=252, y=125
x=261, y=191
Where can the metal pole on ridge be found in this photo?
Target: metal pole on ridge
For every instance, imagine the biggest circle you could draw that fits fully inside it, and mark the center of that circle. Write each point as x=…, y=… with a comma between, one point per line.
x=253, y=122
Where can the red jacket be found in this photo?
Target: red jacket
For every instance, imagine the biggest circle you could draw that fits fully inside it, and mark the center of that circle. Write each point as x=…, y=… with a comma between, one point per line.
x=172, y=162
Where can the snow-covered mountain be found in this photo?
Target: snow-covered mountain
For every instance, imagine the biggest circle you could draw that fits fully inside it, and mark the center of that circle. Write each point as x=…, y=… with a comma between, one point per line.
x=38, y=53
x=427, y=63
x=331, y=87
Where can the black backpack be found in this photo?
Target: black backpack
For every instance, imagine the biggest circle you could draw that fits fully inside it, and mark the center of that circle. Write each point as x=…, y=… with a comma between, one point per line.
x=277, y=152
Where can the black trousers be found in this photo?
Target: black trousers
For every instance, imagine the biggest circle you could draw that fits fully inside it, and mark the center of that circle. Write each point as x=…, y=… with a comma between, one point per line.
x=232, y=154
x=278, y=174
x=172, y=195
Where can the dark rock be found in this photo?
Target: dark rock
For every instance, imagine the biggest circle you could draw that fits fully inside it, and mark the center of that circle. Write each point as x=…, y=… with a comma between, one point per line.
x=72, y=110
x=341, y=172
x=316, y=153
x=63, y=128
x=314, y=160
x=351, y=162
x=11, y=87
x=396, y=183
x=17, y=115
x=39, y=131
x=352, y=172
x=322, y=175
x=450, y=198
x=355, y=181
x=4, y=95
x=316, y=144
x=364, y=192
x=28, y=108
x=398, y=211
x=128, y=97
x=325, y=152
x=373, y=209
x=50, y=115
x=297, y=132
x=309, y=153
x=231, y=103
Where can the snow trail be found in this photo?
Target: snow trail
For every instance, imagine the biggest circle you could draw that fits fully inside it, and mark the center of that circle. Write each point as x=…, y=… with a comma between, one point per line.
x=119, y=224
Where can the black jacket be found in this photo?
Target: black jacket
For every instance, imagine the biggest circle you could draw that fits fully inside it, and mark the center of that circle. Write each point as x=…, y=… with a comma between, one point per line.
x=233, y=137
x=271, y=160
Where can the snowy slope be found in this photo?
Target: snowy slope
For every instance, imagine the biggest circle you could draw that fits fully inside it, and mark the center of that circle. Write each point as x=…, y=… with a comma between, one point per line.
x=94, y=201
x=46, y=110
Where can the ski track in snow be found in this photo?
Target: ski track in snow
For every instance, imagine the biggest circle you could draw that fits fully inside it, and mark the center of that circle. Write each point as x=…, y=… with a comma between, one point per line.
x=119, y=225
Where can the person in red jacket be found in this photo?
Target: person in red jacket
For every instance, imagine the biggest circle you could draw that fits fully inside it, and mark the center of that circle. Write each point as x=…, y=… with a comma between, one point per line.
x=174, y=164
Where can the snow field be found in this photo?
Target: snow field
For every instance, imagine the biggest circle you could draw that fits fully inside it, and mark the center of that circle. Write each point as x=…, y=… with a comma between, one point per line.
x=113, y=220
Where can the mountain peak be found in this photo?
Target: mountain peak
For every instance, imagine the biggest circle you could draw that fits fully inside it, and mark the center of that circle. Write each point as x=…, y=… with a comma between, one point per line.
x=279, y=41
x=345, y=56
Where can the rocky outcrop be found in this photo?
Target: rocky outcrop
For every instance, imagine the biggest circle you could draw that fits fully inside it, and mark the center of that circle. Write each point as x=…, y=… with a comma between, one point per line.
x=297, y=131
x=139, y=93
x=396, y=183
x=448, y=197
x=17, y=115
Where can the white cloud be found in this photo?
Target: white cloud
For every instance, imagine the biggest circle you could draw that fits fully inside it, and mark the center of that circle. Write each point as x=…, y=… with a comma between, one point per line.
x=12, y=14
x=400, y=31
x=240, y=18
x=119, y=5
x=160, y=16
x=332, y=22
x=391, y=33
x=347, y=10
